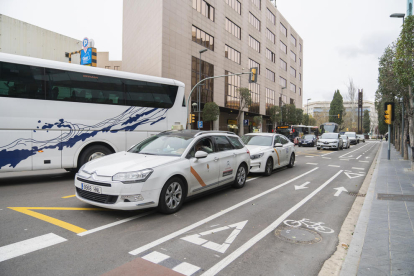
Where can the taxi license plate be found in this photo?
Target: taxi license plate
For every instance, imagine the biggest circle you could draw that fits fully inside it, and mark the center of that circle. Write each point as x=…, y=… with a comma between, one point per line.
x=92, y=188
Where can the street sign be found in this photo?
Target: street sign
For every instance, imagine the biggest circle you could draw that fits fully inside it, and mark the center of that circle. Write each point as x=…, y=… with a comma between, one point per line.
x=246, y=122
x=86, y=57
x=200, y=124
x=85, y=43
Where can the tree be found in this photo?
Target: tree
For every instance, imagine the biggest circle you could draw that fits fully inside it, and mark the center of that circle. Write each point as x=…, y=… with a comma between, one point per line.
x=258, y=121
x=274, y=112
x=337, y=108
x=306, y=119
x=366, y=122
x=321, y=117
x=290, y=114
x=299, y=116
x=245, y=102
x=211, y=111
x=352, y=98
x=312, y=121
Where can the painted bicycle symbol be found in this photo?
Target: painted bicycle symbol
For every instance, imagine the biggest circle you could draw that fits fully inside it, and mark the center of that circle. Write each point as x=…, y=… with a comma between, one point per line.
x=309, y=224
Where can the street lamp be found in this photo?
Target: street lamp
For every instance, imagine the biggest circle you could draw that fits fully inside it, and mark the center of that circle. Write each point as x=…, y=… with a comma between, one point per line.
x=307, y=108
x=199, y=90
x=398, y=15
x=281, y=99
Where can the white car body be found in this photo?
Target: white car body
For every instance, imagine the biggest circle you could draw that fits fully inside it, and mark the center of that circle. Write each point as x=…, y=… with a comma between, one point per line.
x=330, y=143
x=216, y=169
x=280, y=156
x=352, y=137
x=345, y=141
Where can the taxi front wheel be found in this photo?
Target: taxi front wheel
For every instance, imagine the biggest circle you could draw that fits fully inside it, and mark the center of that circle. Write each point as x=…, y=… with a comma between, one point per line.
x=240, y=177
x=172, y=196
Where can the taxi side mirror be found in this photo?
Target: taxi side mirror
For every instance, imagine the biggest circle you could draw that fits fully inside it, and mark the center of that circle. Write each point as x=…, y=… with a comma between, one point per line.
x=278, y=145
x=200, y=154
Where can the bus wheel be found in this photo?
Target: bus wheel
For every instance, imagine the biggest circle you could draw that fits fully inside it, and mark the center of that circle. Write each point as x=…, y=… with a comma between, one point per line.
x=92, y=153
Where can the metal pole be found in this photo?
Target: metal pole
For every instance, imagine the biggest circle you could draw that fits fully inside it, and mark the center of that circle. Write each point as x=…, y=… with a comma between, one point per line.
x=389, y=141
x=198, y=98
x=402, y=130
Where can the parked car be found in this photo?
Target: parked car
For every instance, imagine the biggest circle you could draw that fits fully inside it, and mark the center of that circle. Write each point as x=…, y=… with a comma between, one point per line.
x=330, y=141
x=345, y=141
x=269, y=151
x=308, y=140
x=361, y=138
x=163, y=170
x=352, y=138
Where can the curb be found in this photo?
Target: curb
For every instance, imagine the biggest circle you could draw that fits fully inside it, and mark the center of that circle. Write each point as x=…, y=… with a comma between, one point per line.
x=351, y=263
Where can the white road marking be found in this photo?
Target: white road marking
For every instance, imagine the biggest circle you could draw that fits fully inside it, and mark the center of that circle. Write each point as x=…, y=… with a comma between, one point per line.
x=363, y=161
x=210, y=218
x=186, y=269
x=344, y=159
x=312, y=163
x=353, y=175
x=155, y=257
x=352, y=151
x=358, y=157
x=113, y=224
x=366, y=157
x=358, y=168
x=20, y=248
x=252, y=179
x=302, y=186
x=238, y=252
x=326, y=158
x=309, y=156
x=334, y=166
x=327, y=153
x=339, y=191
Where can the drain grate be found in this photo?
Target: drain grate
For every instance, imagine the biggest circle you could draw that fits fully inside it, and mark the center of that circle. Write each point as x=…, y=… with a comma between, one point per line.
x=356, y=194
x=395, y=197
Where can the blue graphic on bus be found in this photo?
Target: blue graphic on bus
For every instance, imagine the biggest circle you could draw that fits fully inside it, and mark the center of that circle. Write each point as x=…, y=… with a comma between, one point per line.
x=128, y=120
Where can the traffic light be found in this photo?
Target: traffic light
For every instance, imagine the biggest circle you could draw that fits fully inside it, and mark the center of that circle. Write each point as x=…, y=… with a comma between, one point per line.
x=338, y=116
x=192, y=118
x=253, y=75
x=388, y=114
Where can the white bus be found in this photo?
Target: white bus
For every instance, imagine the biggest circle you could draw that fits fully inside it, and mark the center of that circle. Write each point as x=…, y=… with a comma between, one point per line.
x=60, y=115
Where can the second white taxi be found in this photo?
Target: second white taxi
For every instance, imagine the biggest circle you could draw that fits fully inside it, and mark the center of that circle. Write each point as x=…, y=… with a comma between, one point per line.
x=163, y=170
x=269, y=151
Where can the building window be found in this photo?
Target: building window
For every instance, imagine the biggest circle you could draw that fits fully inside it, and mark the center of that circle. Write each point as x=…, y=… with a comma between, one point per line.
x=293, y=55
x=270, y=75
x=254, y=21
x=232, y=54
x=270, y=55
x=253, y=64
x=233, y=28
x=300, y=62
x=283, y=47
x=271, y=17
x=293, y=72
x=202, y=38
x=282, y=82
x=232, y=83
x=300, y=76
x=254, y=43
x=235, y=5
x=271, y=36
x=292, y=87
x=293, y=40
x=300, y=47
x=207, y=70
x=257, y=3
x=116, y=68
x=107, y=67
x=292, y=101
x=283, y=29
x=283, y=64
x=204, y=8
x=300, y=91
x=270, y=100
x=282, y=99
x=255, y=93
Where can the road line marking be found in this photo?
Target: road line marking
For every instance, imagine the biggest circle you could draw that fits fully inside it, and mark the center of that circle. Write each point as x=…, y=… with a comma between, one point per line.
x=312, y=163
x=252, y=179
x=68, y=196
x=358, y=168
x=352, y=151
x=334, y=166
x=327, y=153
x=113, y=224
x=155, y=257
x=364, y=161
x=57, y=222
x=358, y=157
x=326, y=158
x=344, y=159
x=20, y=248
x=186, y=269
x=238, y=252
x=309, y=156
x=210, y=218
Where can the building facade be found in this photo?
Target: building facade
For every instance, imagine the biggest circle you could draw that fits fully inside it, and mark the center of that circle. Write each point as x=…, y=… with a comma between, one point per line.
x=320, y=110
x=164, y=38
x=104, y=62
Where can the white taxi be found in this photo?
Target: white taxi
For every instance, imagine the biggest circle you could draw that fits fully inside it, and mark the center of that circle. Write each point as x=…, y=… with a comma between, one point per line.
x=269, y=151
x=163, y=170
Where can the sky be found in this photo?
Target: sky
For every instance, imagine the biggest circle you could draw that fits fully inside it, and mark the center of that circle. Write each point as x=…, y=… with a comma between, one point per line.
x=342, y=39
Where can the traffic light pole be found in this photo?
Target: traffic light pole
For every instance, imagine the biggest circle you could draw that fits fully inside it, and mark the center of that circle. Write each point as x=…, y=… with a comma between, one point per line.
x=198, y=83
x=389, y=141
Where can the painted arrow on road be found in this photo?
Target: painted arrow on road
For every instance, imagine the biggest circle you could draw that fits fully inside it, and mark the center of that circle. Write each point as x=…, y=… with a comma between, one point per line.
x=339, y=191
x=302, y=186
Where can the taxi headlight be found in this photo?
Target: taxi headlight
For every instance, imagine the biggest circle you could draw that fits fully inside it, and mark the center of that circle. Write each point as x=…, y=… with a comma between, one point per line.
x=133, y=177
x=256, y=156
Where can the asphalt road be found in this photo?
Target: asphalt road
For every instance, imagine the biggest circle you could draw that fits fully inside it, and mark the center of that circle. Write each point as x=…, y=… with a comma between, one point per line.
x=284, y=224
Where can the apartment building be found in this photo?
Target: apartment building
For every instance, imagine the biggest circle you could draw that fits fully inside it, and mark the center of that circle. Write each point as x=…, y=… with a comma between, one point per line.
x=164, y=38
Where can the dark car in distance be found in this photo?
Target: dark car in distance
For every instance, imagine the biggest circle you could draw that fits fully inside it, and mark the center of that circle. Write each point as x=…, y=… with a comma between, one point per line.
x=308, y=140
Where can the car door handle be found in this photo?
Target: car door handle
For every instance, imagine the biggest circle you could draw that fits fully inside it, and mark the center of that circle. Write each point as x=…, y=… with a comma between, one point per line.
x=215, y=159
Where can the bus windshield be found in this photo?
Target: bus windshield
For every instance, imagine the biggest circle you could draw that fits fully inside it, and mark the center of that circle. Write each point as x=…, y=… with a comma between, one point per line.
x=329, y=128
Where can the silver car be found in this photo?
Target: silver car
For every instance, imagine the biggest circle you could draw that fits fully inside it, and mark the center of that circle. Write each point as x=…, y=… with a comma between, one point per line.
x=346, y=141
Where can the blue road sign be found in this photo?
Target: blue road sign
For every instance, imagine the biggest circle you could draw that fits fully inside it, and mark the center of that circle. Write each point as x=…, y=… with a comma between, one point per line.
x=86, y=57
x=246, y=122
x=200, y=124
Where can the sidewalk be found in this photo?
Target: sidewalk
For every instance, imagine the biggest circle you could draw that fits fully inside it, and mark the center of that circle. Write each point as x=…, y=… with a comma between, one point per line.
x=383, y=241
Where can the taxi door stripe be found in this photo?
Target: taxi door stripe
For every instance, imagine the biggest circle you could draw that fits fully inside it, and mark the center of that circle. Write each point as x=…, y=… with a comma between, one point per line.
x=278, y=161
x=197, y=176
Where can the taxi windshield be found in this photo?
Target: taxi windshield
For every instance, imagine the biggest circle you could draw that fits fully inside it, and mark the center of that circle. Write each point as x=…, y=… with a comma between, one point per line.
x=163, y=145
x=257, y=140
